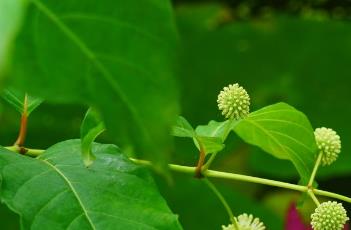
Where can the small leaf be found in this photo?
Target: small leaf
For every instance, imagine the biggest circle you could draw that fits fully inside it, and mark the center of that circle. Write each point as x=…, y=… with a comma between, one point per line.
x=182, y=128
x=16, y=99
x=284, y=132
x=56, y=191
x=216, y=129
x=210, y=144
x=92, y=126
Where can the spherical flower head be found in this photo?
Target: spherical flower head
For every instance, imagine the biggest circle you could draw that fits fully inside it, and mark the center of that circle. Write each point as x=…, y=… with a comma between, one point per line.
x=234, y=102
x=329, y=216
x=246, y=222
x=328, y=143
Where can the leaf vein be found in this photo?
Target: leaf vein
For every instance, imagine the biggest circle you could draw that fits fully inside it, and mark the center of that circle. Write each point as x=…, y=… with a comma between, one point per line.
x=73, y=191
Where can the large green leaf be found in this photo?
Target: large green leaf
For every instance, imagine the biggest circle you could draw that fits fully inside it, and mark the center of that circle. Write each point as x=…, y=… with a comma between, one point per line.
x=284, y=132
x=56, y=191
x=114, y=55
x=11, y=13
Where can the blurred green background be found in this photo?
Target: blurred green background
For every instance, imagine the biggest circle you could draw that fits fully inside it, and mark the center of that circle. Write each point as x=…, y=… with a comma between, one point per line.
x=293, y=51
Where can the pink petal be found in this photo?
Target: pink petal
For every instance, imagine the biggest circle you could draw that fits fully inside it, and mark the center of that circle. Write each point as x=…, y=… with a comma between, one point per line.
x=293, y=220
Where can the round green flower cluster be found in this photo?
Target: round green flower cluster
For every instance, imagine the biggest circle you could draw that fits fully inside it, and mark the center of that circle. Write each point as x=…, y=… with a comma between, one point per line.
x=328, y=143
x=329, y=216
x=246, y=222
x=234, y=102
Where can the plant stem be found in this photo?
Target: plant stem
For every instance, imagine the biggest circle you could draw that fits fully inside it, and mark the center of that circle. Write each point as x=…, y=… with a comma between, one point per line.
x=331, y=195
x=25, y=151
x=200, y=163
x=258, y=180
x=224, y=202
x=217, y=174
x=209, y=162
x=315, y=169
x=23, y=125
x=313, y=197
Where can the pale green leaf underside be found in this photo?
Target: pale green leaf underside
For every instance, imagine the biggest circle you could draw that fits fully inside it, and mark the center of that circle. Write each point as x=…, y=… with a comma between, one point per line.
x=282, y=131
x=56, y=191
x=107, y=56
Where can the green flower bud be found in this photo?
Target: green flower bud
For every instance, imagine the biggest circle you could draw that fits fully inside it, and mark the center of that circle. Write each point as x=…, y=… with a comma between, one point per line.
x=328, y=142
x=234, y=102
x=246, y=222
x=329, y=216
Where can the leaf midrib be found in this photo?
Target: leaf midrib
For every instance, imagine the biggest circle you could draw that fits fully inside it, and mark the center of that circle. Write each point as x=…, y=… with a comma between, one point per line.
x=73, y=191
x=277, y=142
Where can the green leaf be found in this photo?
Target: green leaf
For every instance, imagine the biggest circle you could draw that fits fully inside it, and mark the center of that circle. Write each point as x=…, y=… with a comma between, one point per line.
x=11, y=13
x=284, y=132
x=182, y=128
x=213, y=135
x=56, y=191
x=238, y=48
x=216, y=129
x=16, y=99
x=211, y=144
x=92, y=126
x=114, y=55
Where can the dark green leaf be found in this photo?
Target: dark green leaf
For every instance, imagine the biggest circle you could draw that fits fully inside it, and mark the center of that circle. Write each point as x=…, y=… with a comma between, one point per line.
x=182, y=128
x=92, y=126
x=284, y=132
x=114, y=55
x=16, y=99
x=11, y=12
x=56, y=191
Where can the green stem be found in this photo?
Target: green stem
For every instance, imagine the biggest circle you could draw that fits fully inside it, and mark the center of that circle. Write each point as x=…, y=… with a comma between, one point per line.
x=313, y=197
x=224, y=202
x=258, y=180
x=315, y=169
x=331, y=195
x=209, y=162
x=25, y=151
x=218, y=174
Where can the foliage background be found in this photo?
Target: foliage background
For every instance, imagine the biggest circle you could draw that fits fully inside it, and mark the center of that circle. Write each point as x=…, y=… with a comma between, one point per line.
x=294, y=52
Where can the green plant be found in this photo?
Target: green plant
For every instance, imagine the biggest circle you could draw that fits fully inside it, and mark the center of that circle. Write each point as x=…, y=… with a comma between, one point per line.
x=61, y=165
x=127, y=82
